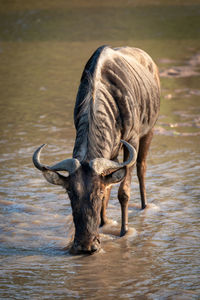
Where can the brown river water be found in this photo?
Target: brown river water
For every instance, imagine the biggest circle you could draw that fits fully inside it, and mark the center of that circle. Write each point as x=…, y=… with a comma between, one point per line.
x=43, y=48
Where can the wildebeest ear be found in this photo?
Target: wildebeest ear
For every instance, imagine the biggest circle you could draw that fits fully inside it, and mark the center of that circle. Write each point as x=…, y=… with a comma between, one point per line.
x=55, y=178
x=115, y=177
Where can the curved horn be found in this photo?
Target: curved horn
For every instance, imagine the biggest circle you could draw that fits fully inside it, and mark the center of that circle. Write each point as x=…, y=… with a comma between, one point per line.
x=36, y=159
x=104, y=166
x=69, y=165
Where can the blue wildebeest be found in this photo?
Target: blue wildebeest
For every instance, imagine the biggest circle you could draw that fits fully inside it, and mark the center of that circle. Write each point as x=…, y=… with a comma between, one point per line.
x=116, y=107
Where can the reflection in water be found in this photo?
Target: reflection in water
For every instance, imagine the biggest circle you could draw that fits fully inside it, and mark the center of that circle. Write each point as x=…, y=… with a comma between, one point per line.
x=41, y=61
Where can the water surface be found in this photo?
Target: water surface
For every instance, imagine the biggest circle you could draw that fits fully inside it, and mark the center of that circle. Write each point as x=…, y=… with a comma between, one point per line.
x=43, y=49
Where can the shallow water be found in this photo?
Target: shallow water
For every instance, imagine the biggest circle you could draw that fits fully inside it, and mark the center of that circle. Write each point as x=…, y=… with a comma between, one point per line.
x=43, y=48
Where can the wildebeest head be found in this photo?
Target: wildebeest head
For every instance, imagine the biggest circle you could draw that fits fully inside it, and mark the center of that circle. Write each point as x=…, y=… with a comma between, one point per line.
x=86, y=185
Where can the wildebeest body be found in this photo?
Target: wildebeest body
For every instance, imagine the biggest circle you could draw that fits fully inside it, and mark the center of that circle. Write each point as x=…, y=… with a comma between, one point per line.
x=118, y=98
x=117, y=103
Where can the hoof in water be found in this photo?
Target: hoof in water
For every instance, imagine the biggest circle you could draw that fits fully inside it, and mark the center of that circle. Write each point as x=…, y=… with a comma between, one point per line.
x=150, y=209
x=132, y=232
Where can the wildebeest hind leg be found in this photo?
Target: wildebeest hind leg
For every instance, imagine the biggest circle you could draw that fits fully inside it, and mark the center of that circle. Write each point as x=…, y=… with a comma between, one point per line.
x=141, y=165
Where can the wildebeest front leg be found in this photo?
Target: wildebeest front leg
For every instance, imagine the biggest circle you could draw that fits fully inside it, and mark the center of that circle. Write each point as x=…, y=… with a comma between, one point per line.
x=141, y=165
x=124, y=196
x=104, y=206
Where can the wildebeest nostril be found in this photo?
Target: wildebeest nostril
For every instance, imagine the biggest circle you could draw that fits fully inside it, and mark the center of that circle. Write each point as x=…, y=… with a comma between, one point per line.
x=92, y=248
